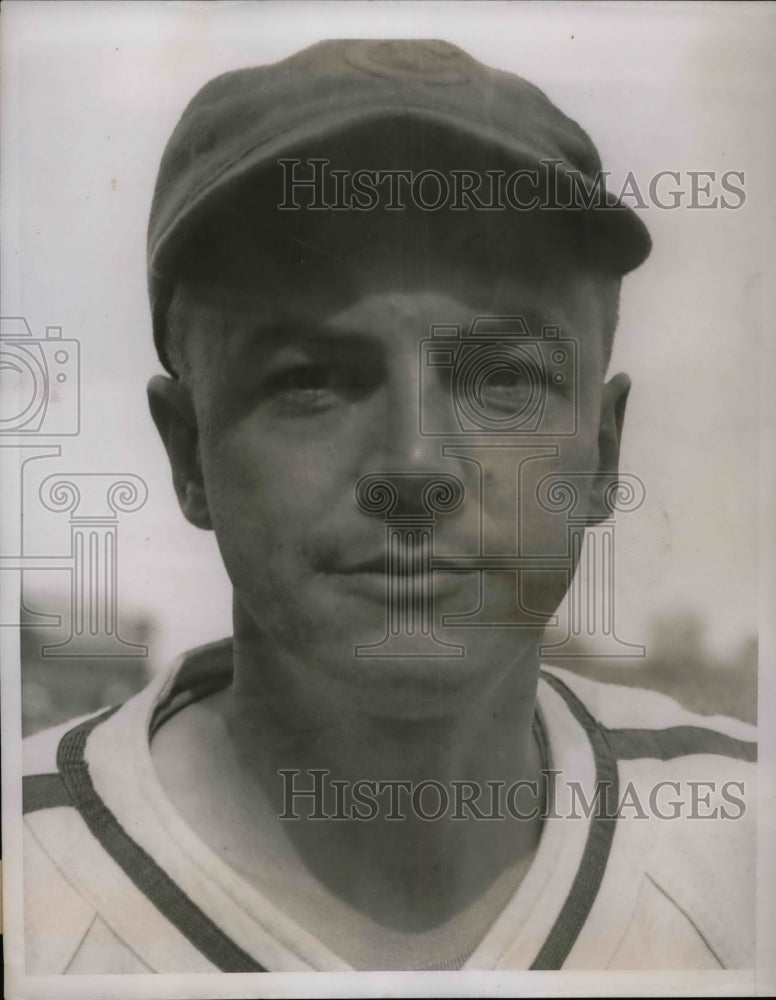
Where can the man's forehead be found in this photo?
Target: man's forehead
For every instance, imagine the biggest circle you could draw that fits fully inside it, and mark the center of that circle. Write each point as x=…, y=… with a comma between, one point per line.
x=345, y=309
x=230, y=323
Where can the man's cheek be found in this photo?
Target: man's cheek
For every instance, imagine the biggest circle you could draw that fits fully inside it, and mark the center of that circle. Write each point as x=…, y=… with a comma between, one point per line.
x=284, y=458
x=263, y=501
x=513, y=514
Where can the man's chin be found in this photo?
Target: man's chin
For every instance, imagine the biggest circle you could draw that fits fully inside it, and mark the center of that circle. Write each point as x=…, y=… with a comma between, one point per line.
x=419, y=676
x=345, y=646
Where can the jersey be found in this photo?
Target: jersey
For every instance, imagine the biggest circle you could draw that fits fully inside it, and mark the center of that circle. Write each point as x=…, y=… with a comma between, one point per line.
x=657, y=872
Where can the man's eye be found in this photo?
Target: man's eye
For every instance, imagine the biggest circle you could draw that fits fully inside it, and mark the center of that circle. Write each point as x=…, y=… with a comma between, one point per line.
x=304, y=387
x=304, y=378
x=506, y=386
x=507, y=380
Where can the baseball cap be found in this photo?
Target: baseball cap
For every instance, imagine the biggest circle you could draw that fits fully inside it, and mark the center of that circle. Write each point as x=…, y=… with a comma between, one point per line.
x=244, y=121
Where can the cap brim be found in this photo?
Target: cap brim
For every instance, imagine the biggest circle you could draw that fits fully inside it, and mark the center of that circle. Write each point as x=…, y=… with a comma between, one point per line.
x=620, y=238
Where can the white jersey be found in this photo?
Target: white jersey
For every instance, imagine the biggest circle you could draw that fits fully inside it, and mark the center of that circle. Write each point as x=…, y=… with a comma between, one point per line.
x=116, y=882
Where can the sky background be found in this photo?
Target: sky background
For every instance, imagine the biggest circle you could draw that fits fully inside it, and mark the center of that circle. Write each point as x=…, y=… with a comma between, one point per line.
x=90, y=95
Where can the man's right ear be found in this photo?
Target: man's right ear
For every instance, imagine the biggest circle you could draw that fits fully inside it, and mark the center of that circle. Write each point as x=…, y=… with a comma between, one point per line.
x=173, y=411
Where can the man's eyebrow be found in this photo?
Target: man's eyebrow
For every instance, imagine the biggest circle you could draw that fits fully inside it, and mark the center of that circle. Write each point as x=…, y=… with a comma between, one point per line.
x=264, y=338
x=275, y=331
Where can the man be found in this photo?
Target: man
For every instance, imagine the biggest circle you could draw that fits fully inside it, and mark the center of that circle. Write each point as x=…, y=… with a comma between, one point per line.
x=384, y=283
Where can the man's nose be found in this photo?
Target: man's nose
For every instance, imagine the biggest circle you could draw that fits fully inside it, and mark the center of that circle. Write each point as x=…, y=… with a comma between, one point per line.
x=408, y=476
x=404, y=447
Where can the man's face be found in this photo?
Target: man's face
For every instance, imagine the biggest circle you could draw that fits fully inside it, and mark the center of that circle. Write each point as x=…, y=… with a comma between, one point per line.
x=301, y=391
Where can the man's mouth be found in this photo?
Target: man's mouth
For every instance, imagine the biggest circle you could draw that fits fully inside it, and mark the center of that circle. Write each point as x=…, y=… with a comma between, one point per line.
x=401, y=564
x=408, y=571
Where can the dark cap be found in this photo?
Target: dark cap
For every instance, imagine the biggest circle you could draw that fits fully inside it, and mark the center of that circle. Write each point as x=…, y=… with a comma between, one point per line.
x=247, y=119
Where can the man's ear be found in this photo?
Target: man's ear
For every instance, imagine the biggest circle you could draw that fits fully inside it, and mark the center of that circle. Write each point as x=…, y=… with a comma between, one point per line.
x=613, y=401
x=173, y=412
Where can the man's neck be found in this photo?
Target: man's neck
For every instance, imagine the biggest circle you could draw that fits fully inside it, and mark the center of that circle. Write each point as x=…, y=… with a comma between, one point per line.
x=292, y=734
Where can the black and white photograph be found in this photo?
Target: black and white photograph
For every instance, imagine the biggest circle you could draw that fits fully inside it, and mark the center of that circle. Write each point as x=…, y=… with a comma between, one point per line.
x=387, y=442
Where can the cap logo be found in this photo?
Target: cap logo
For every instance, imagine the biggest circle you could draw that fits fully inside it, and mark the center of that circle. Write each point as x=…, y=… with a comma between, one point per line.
x=425, y=61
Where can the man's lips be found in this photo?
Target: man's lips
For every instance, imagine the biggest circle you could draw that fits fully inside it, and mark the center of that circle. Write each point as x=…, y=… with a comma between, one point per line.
x=403, y=565
x=372, y=575
x=407, y=561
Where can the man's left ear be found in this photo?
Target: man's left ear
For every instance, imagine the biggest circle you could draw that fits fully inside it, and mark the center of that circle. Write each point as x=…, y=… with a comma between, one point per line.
x=613, y=401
